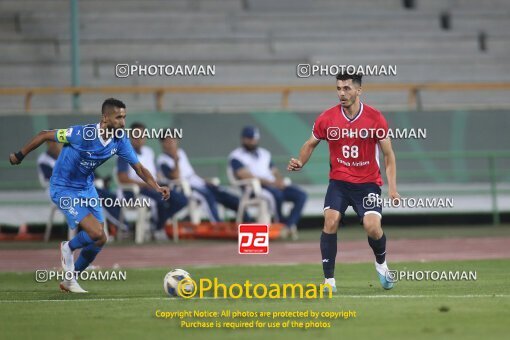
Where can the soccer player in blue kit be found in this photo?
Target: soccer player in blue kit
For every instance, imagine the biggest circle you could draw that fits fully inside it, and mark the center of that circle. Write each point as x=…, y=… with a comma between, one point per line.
x=72, y=183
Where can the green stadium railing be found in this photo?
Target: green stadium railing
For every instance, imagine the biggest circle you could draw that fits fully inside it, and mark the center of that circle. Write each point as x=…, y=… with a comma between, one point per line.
x=413, y=90
x=490, y=173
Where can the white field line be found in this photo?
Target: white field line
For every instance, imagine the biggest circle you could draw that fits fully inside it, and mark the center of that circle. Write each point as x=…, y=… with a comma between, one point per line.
x=469, y=296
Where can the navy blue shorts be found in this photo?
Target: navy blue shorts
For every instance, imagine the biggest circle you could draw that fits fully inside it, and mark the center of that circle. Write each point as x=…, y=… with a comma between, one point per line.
x=361, y=197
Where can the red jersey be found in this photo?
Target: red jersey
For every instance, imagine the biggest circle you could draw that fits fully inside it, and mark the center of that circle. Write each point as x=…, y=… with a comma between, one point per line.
x=353, y=143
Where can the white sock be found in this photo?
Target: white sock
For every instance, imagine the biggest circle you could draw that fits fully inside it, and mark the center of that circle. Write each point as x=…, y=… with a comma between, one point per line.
x=66, y=245
x=381, y=268
x=331, y=281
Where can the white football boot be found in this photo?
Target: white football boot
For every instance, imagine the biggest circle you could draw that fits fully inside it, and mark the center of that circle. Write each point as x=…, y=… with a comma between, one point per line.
x=71, y=286
x=66, y=257
x=384, y=278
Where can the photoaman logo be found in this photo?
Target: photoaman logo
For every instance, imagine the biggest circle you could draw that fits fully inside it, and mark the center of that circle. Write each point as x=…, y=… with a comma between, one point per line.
x=188, y=288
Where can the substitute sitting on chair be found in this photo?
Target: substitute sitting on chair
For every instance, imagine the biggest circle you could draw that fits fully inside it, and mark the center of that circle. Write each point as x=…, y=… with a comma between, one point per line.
x=252, y=161
x=126, y=175
x=174, y=164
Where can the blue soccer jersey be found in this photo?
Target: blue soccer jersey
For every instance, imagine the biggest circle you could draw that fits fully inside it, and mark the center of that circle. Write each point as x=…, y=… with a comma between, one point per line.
x=84, y=150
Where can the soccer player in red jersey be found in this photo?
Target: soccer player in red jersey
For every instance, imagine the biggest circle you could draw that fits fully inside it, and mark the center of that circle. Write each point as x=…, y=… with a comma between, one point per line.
x=354, y=132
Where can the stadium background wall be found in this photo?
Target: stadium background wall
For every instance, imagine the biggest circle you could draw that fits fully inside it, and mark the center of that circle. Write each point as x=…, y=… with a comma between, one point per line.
x=454, y=160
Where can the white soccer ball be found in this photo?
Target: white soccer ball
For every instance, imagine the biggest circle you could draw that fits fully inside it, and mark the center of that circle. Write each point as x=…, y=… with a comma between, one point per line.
x=172, y=279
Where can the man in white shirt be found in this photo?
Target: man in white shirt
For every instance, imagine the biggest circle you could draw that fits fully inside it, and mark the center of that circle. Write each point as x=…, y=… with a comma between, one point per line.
x=252, y=161
x=126, y=175
x=173, y=163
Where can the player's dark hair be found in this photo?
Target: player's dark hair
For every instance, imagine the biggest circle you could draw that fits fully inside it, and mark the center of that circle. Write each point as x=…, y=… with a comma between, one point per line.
x=112, y=102
x=356, y=78
x=163, y=136
x=138, y=125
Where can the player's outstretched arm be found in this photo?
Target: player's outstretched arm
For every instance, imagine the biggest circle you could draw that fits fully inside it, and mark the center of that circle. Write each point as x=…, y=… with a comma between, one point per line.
x=304, y=154
x=391, y=167
x=15, y=158
x=146, y=176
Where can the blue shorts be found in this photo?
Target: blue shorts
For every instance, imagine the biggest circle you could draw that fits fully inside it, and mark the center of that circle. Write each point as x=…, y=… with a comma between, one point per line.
x=360, y=197
x=70, y=202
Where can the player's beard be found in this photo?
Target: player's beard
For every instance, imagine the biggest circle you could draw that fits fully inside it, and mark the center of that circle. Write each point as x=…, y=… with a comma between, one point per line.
x=112, y=131
x=250, y=147
x=109, y=132
x=346, y=103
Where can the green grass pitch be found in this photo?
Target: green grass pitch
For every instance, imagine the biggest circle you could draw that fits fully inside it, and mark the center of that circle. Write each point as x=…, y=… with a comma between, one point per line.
x=126, y=309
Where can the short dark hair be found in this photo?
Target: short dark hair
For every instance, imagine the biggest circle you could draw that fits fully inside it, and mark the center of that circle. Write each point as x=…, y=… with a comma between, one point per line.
x=112, y=102
x=138, y=125
x=163, y=137
x=356, y=78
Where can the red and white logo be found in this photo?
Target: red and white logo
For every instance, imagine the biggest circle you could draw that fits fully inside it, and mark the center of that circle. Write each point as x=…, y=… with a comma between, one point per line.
x=333, y=133
x=253, y=239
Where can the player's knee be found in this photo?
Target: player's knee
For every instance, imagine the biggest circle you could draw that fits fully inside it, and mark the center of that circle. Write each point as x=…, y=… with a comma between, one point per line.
x=97, y=234
x=372, y=225
x=101, y=241
x=331, y=224
x=374, y=233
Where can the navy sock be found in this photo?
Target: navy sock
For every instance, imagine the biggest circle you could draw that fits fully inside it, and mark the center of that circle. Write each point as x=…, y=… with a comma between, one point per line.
x=87, y=255
x=82, y=239
x=328, y=251
x=379, y=248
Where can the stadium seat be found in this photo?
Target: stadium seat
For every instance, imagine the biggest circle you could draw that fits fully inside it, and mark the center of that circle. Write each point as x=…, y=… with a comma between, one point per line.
x=53, y=209
x=141, y=214
x=193, y=207
x=252, y=42
x=252, y=196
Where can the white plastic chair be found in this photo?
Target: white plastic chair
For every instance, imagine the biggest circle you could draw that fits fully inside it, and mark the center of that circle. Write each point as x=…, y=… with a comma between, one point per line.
x=53, y=209
x=192, y=209
x=140, y=215
x=251, y=196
